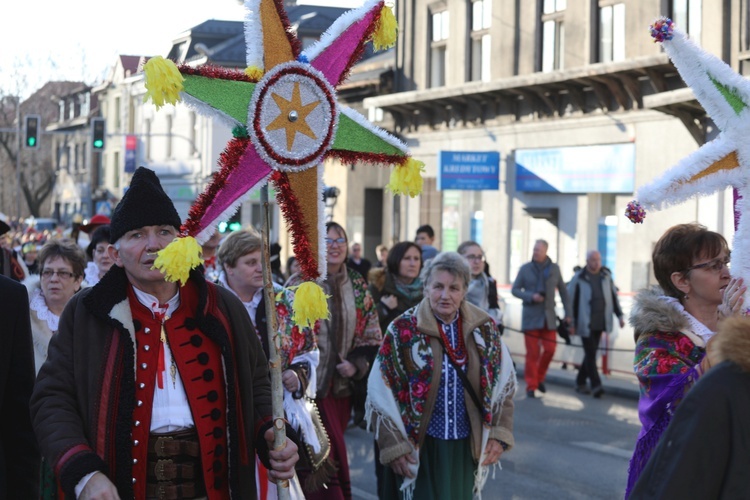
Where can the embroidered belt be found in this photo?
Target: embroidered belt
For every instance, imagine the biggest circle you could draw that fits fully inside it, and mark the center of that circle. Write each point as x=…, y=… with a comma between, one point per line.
x=175, y=444
x=180, y=476
x=167, y=470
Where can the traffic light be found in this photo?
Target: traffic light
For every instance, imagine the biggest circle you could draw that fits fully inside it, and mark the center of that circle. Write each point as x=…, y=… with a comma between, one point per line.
x=98, y=133
x=32, y=131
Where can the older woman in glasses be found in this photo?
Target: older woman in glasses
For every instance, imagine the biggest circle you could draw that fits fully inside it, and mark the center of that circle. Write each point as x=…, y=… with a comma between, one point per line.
x=674, y=326
x=348, y=341
x=61, y=265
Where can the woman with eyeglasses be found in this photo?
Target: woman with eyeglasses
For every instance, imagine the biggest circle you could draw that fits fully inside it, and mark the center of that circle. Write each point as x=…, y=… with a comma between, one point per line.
x=61, y=264
x=482, y=287
x=674, y=325
x=348, y=342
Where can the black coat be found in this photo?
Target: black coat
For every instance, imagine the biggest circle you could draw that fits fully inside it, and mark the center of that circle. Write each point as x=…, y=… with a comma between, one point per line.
x=19, y=456
x=705, y=452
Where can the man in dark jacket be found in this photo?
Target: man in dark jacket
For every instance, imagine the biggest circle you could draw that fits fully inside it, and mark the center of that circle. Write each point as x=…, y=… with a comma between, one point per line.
x=705, y=452
x=535, y=285
x=595, y=303
x=151, y=389
x=19, y=457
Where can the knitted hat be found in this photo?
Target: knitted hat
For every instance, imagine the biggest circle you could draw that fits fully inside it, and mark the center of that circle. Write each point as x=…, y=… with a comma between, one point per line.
x=144, y=204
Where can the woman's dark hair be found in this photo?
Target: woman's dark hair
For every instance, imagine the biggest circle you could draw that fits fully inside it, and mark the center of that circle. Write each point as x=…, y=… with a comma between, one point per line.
x=100, y=234
x=678, y=249
x=67, y=250
x=396, y=255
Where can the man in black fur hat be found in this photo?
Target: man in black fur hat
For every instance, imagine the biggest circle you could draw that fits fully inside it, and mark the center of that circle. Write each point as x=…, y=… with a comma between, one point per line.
x=153, y=389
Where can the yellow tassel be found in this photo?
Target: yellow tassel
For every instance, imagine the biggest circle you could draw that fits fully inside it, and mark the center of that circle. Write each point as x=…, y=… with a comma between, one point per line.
x=178, y=258
x=254, y=73
x=310, y=304
x=386, y=31
x=407, y=179
x=163, y=81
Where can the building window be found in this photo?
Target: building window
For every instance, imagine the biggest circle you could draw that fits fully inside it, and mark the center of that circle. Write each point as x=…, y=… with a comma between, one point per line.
x=375, y=114
x=118, y=114
x=553, y=35
x=438, y=48
x=86, y=104
x=116, y=179
x=169, y=137
x=193, y=132
x=481, y=20
x=744, y=33
x=611, y=31
x=686, y=15
x=147, y=130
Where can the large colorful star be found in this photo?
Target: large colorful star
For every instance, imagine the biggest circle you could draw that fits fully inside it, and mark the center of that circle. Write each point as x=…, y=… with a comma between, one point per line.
x=721, y=163
x=286, y=120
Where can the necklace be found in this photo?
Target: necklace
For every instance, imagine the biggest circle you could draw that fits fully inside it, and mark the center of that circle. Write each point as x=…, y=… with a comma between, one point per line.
x=456, y=354
x=160, y=313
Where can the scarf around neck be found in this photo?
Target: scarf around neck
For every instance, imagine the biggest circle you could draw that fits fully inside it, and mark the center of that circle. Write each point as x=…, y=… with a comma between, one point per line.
x=412, y=291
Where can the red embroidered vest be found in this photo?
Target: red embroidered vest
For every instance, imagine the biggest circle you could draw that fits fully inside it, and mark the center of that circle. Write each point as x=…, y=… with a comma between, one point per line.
x=200, y=366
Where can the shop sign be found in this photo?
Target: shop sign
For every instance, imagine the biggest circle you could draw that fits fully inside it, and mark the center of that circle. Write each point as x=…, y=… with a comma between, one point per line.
x=469, y=170
x=606, y=168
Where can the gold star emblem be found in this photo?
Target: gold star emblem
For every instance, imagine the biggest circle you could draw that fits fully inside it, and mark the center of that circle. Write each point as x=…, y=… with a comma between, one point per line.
x=293, y=116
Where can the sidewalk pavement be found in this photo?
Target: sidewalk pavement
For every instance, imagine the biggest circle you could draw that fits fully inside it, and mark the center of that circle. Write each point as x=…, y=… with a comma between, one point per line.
x=625, y=386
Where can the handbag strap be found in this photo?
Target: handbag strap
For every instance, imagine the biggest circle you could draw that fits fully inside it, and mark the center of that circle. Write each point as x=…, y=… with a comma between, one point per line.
x=464, y=379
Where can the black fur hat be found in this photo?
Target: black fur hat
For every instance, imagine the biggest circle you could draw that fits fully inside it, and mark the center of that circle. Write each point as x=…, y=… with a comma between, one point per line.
x=144, y=204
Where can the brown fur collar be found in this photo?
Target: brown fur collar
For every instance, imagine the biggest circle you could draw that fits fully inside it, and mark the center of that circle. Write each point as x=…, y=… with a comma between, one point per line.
x=732, y=342
x=376, y=277
x=651, y=314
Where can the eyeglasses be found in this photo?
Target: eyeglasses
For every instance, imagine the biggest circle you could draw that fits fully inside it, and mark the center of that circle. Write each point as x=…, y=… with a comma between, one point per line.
x=339, y=241
x=474, y=258
x=63, y=275
x=715, y=265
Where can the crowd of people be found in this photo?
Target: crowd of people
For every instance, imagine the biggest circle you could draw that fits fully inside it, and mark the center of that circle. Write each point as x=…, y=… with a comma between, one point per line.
x=138, y=387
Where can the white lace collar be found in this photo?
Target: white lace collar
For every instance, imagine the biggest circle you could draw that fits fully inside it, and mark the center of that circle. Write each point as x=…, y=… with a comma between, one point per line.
x=91, y=274
x=39, y=305
x=696, y=326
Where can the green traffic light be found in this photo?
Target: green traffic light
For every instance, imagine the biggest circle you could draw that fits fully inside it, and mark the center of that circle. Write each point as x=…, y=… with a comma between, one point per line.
x=98, y=144
x=31, y=141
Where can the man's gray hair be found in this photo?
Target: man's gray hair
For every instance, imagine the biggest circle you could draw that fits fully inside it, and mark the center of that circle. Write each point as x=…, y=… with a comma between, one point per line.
x=451, y=262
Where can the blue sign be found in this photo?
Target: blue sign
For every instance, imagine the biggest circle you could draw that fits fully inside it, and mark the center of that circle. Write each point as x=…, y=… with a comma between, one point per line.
x=469, y=170
x=608, y=168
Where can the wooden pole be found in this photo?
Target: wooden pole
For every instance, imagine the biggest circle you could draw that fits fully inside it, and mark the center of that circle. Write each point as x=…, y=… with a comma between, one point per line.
x=274, y=341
